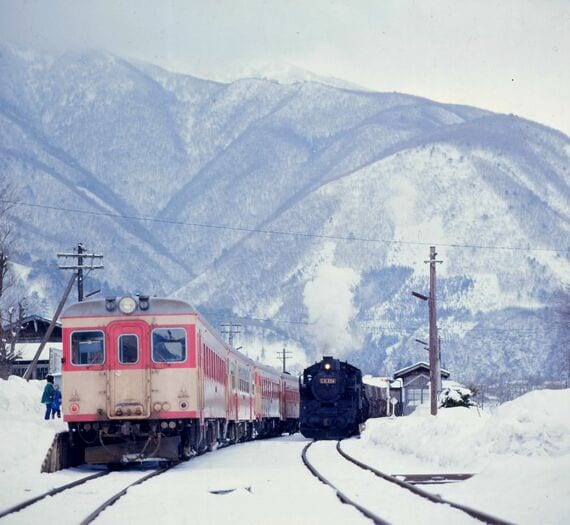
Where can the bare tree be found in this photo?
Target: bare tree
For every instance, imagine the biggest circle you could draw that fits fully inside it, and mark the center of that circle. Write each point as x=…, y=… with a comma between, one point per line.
x=12, y=311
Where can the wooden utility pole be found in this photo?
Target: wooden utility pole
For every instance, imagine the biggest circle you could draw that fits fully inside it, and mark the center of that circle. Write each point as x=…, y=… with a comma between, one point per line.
x=283, y=356
x=231, y=330
x=85, y=261
x=434, y=364
x=78, y=269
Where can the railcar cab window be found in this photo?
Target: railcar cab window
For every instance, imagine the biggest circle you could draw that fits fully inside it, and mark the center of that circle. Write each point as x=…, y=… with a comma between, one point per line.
x=128, y=349
x=87, y=348
x=168, y=345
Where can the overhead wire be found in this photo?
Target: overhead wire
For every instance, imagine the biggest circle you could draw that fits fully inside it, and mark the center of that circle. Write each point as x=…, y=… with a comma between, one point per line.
x=242, y=229
x=291, y=233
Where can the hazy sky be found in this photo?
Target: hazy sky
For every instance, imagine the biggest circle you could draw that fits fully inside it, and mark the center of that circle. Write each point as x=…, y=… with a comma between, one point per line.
x=509, y=56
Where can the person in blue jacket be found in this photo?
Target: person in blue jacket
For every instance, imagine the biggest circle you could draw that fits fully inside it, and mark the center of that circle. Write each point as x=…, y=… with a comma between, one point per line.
x=47, y=396
x=56, y=403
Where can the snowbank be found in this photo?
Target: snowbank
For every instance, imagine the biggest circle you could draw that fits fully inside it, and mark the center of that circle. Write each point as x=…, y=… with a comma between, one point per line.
x=536, y=424
x=520, y=454
x=24, y=441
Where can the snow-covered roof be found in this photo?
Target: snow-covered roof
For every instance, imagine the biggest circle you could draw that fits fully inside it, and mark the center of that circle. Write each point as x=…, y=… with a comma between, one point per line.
x=28, y=350
x=376, y=381
x=420, y=364
x=35, y=318
x=383, y=382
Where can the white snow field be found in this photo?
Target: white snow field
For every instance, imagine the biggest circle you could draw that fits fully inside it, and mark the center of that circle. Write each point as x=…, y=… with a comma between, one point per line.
x=520, y=455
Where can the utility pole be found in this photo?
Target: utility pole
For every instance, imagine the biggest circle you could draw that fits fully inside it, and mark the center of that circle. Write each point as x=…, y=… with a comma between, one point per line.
x=283, y=356
x=434, y=364
x=77, y=274
x=231, y=330
x=80, y=251
x=434, y=345
x=85, y=261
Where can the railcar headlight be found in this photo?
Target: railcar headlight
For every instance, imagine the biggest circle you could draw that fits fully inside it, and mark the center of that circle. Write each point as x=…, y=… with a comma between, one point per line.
x=327, y=366
x=127, y=304
x=144, y=302
x=110, y=303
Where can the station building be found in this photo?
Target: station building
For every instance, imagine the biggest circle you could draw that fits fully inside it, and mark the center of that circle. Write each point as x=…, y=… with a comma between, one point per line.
x=413, y=386
x=34, y=328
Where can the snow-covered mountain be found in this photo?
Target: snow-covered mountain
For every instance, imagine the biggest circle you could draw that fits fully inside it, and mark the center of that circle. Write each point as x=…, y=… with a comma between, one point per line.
x=303, y=211
x=287, y=73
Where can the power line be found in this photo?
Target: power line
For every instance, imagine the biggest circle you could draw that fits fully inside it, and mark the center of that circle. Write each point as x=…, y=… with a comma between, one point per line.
x=260, y=319
x=287, y=233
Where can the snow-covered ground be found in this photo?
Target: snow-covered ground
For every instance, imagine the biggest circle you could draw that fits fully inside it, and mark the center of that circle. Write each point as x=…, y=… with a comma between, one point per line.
x=520, y=453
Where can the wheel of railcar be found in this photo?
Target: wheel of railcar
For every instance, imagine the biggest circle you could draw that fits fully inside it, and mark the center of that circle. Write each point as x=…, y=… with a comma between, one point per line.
x=231, y=432
x=210, y=437
x=185, y=447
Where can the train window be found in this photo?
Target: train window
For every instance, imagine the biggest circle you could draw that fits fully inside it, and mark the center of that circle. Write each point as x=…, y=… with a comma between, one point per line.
x=244, y=379
x=128, y=349
x=87, y=348
x=168, y=345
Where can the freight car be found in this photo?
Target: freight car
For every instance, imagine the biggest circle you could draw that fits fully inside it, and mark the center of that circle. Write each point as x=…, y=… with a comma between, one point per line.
x=150, y=378
x=334, y=400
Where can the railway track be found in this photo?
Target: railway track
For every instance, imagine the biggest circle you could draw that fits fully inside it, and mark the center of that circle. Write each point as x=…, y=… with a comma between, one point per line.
x=90, y=489
x=432, y=479
x=384, y=498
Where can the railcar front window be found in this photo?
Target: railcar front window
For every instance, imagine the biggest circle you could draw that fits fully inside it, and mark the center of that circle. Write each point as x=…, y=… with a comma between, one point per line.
x=87, y=348
x=128, y=349
x=168, y=345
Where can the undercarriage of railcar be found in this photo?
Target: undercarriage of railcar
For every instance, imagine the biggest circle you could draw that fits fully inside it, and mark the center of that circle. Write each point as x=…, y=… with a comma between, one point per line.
x=124, y=442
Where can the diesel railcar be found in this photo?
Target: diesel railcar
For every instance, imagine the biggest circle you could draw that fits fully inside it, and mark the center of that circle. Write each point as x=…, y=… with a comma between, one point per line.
x=150, y=378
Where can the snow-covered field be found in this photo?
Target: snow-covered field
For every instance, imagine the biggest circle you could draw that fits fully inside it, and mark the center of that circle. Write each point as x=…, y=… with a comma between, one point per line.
x=520, y=453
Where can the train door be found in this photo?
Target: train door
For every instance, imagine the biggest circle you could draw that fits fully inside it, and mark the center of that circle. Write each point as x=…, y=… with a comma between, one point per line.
x=235, y=388
x=282, y=400
x=257, y=395
x=129, y=374
x=251, y=394
x=200, y=376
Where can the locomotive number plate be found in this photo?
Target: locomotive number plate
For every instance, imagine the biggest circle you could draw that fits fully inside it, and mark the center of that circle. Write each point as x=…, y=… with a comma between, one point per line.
x=327, y=380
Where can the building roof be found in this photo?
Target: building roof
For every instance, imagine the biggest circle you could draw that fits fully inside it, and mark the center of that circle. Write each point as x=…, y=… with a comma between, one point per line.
x=376, y=381
x=28, y=350
x=417, y=366
x=34, y=319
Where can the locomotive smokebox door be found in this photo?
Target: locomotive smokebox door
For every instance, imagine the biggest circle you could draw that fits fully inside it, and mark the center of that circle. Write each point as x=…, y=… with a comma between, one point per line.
x=328, y=384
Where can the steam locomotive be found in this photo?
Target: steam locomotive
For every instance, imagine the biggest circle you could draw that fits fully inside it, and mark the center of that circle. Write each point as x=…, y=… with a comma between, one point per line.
x=335, y=401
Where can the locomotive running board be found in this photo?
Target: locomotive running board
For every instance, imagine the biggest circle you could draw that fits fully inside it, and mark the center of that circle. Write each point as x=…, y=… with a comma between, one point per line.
x=133, y=452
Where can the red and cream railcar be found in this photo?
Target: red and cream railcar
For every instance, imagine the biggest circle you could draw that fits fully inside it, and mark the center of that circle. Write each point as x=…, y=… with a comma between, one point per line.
x=290, y=402
x=148, y=377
